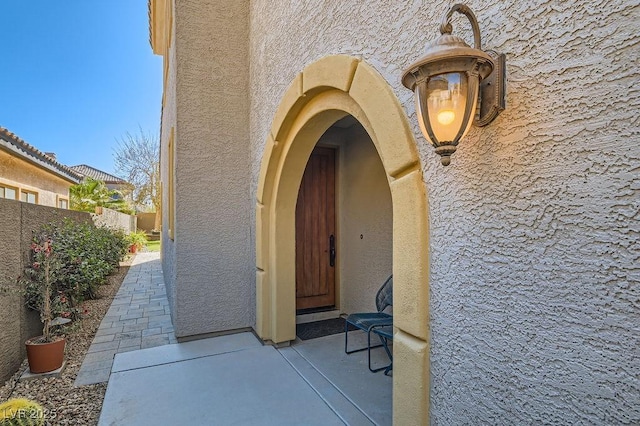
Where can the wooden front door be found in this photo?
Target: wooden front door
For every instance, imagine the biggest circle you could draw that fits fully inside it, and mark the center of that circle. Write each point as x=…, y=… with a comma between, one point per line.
x=315, y=232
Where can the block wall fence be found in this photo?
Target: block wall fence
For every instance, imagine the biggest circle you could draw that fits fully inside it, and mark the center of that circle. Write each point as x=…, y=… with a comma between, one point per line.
x=17, y=323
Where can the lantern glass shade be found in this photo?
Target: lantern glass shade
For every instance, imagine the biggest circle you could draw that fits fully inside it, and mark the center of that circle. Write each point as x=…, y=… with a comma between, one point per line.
x=446, y=105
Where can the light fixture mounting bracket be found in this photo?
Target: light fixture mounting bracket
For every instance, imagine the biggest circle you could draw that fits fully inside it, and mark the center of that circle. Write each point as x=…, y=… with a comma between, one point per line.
x=492, y=91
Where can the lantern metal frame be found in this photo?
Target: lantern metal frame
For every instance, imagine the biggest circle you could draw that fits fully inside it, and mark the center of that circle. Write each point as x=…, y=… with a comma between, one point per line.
x=450, y=54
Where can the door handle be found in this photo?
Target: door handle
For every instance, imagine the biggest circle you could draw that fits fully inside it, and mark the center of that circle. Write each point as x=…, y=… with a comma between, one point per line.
x=332, y=251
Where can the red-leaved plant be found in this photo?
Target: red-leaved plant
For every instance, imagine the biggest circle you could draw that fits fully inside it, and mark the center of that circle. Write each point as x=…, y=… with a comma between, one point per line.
x=38, y=279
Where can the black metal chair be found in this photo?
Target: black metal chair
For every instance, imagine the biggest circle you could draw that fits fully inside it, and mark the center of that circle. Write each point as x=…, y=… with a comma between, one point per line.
x=368, y=321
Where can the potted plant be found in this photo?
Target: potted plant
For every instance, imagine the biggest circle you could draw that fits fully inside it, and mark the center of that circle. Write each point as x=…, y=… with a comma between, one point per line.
x=137, y=240
x=46, y=352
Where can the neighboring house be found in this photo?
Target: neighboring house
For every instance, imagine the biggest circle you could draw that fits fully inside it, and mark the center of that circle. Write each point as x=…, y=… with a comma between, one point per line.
x=32, y=176
x=112, y=182
x=516, y=268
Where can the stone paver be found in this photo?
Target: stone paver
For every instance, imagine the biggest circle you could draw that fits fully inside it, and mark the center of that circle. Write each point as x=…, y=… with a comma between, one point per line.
x=138, y=318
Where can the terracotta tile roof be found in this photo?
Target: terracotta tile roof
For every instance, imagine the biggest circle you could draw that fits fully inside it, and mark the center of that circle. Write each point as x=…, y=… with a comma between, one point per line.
x=94, y=173
x=150, y=26
x=13, y=144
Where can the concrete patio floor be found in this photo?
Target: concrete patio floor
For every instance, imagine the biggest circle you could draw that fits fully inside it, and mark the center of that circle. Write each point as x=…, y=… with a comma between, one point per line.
x=235, y=380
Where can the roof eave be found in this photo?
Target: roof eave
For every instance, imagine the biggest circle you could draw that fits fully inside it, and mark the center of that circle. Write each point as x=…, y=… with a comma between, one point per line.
x=157, y=25
x=39, y=161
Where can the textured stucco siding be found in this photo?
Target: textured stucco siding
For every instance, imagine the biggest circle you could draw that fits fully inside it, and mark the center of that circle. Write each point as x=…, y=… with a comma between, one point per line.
x=18, y=173
x=215, y=278
x=535, y=262
x=168, y=123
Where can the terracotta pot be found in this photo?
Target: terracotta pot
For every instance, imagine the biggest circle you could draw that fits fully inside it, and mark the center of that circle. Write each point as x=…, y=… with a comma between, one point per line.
x=133, y=248
x=45, y=357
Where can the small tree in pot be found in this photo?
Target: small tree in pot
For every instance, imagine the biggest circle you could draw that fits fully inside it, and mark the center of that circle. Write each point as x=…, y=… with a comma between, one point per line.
x=137, y=240
x=46, y=352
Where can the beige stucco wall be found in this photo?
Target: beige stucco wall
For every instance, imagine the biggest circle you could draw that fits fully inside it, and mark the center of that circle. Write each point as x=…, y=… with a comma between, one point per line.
x=534, y=255
x=114, y=219
x=533, y=228
x=20, y=174
x=168, y=114
x=206, y=103
x=364, y=208
x=145, y=221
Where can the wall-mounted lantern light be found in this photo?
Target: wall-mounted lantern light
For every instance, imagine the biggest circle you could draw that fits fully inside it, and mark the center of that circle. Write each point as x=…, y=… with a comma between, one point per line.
x=456, y=86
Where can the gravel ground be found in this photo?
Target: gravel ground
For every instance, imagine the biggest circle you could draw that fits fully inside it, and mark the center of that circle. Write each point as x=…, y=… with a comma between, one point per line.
x=63, y=403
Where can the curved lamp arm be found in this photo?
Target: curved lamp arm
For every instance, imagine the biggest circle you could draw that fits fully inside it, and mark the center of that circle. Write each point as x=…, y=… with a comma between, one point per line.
x=447, y=28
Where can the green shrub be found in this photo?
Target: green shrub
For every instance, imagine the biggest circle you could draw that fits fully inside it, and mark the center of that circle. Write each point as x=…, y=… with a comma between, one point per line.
x=85, y=256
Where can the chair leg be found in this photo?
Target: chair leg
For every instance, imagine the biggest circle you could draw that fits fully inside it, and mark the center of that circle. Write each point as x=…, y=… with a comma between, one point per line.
x=369, y=347
x=389, y=367
x=358, y=350
x=346, y=334
x=385, y=344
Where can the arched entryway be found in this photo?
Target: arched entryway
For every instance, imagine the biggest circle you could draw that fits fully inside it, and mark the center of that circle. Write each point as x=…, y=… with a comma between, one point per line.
x=344, y=222
x=325, y=92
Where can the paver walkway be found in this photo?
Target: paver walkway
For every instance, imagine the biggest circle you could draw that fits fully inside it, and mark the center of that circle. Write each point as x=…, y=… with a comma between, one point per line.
x=137, y=319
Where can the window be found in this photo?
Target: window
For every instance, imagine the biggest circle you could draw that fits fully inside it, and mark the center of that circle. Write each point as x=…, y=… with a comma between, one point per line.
x=28, y=197
x=63, y=203
x=8, y=192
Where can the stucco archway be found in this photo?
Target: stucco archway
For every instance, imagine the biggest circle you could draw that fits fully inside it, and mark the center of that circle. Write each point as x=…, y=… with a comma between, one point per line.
x=324, y=92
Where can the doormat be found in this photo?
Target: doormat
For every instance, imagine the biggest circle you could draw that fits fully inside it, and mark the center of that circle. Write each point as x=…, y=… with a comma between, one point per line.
x=313, y=330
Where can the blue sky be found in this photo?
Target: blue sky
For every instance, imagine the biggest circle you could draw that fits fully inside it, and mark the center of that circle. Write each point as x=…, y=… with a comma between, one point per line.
x=76, y=75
